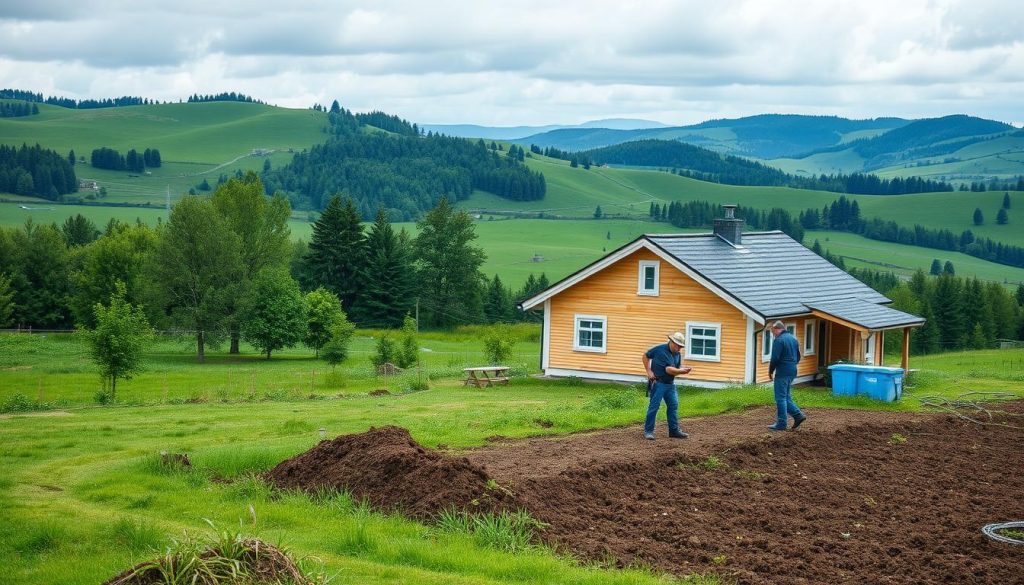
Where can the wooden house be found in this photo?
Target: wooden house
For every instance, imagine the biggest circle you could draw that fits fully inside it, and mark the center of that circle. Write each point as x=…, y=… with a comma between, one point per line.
x=722, y=290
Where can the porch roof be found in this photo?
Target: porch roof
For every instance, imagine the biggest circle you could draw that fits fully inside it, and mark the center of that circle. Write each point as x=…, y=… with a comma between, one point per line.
x=864, y=315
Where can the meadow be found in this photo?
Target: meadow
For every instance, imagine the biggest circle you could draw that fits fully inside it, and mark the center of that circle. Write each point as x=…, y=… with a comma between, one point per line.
x=83, y=495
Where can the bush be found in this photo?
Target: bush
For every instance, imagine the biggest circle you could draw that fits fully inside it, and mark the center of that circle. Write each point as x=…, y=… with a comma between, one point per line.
x=409, y=352
x=498, y=344
x=385, y=351
x=336, y=349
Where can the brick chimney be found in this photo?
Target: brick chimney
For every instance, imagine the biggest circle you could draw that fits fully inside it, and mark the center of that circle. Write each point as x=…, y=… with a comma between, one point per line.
x=730, y=227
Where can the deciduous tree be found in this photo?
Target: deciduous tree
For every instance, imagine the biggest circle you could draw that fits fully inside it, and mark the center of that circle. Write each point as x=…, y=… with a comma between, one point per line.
x=449, y=267
x=118, y=340
x=273, y=312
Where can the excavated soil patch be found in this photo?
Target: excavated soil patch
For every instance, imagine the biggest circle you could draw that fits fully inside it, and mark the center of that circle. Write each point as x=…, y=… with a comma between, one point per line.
x=890, y=502
x=392, y=471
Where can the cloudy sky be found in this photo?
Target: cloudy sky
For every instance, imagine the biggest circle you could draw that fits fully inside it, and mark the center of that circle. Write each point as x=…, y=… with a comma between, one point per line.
x=534, y=62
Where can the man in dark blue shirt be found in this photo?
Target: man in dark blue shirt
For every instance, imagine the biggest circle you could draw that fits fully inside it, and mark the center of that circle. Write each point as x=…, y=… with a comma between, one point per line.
x=663, y=363
x=782, y=371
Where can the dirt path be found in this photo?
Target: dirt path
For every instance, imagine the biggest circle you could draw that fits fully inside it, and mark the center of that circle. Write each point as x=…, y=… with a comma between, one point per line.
x=518, y=460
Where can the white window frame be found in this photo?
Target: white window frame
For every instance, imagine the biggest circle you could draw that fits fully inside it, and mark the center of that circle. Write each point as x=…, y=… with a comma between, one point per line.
x=641, y=281
x=810, y=334
x=576, y=333
x=718, y=341
x=768, y=338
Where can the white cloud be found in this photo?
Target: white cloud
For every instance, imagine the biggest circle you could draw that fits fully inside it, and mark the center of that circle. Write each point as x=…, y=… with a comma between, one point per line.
x=534, y=61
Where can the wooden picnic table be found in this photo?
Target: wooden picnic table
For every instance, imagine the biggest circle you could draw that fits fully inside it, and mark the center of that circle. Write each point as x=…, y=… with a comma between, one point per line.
x=486, y=376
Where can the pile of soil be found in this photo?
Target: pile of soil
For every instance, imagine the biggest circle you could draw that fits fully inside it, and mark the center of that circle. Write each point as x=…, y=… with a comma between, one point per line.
x=261, y=563
x=393, y=472
x=897, y=502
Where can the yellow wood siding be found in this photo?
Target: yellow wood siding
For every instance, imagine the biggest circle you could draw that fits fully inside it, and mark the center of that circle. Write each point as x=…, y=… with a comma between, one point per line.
x=636, y=322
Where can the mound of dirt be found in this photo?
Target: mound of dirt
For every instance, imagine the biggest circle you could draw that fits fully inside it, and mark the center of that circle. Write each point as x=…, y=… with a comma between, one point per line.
x=392, y=471
x=259, y=564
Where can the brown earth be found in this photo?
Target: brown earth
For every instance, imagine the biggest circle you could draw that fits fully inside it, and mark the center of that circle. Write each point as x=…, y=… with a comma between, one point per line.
x=386, y=467
x=851, y=497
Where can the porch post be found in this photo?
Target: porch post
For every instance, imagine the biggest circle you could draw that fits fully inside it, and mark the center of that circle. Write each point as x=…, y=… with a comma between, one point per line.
x=905, y=364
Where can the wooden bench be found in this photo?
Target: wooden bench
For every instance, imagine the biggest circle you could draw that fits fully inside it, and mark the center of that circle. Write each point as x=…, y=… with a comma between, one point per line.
x=486, y=376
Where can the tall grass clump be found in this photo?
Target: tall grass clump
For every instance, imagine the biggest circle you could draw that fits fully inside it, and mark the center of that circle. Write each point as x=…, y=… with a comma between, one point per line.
x=506, y=531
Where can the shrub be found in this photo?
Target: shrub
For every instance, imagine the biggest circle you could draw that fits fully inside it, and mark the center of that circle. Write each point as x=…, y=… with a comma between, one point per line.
x=498, y=343
x=385, y=351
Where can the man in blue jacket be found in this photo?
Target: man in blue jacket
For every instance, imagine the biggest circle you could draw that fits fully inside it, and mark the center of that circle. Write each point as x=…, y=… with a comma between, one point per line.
x=782, y=370
x=663, y=363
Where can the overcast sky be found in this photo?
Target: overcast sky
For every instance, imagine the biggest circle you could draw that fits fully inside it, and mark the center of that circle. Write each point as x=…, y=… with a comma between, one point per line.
x=526, y=62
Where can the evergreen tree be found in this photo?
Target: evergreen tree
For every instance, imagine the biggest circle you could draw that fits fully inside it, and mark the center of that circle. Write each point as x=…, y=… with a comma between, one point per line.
x=79, y=230
x=449, y=267
x=978, y=217
x=498, y=303
x=6, y=300
x=936, y=268
x=408, y=353
x=71, y=157
x=337, y=251
x=925, y=339
x=947, y=268
x=1002, y=218
x=597, y=212
x=389, y=287
x=947, y=308
x=1006, y=200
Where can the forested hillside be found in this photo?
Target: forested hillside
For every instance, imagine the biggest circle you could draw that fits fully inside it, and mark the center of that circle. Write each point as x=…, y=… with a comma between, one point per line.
x=706, y=165
x=400, y=170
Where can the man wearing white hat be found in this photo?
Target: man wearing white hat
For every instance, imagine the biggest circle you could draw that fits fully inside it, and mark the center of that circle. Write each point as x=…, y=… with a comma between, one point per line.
x=663, y=363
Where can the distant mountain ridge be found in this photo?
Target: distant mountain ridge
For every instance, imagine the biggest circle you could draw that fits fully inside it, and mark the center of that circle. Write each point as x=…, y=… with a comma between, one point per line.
x=517, y=132
x=763, y=136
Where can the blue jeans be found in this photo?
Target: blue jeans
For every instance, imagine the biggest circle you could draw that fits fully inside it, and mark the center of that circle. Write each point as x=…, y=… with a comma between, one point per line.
x=668, y=393
x=784, y=401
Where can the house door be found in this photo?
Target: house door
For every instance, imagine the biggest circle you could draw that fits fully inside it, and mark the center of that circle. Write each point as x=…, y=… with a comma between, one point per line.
x=822, y=343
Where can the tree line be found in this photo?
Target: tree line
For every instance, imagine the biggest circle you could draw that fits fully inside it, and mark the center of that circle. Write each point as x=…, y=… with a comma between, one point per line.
x=36, y=172
x=707, y=165
x=223, y=97
x=406, y=174
x=222, y=268
x=844, y=215
x=18, y=109
x=696, y=214
x=108, y=158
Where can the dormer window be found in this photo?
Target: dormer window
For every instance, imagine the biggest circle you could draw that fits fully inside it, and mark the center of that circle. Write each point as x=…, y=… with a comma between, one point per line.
x=650, y=274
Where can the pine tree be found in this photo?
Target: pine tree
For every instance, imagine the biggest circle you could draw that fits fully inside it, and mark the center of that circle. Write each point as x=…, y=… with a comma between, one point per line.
x=498, y=302
x=598, y=213
x=945, y=303
x=71, y=157
x=925, y=339
x=978, y=217
x=449, y=267
x=336, y=251
x=936, y=268
x=389, y=287
x=1006, y=200
x=948, y=268
x=1002, y=218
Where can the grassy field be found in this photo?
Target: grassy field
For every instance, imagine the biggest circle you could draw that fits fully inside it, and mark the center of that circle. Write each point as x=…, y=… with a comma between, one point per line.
x=82, y=496
x=194, y=140
x=1001, y=157
x=861, y=252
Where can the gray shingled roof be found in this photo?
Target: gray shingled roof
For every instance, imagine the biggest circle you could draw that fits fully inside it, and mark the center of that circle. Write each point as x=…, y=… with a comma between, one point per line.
x=865, y=314
x=770, y=272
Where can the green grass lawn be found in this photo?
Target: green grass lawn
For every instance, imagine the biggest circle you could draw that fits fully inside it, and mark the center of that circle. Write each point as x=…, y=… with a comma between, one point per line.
x=82, y=496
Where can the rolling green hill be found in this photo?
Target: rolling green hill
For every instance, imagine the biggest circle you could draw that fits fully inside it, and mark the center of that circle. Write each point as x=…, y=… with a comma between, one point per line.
x=196, y=141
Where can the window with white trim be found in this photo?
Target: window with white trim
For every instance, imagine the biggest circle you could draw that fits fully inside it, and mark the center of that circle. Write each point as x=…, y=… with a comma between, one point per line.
x=590, y=333
x=810, y=336
x=767, y=338
x=649, y=275
x=704, y=341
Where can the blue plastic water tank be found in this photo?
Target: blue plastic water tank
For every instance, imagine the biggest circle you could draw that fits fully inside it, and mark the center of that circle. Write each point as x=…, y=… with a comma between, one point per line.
x=844, y=379
x=880, y=383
